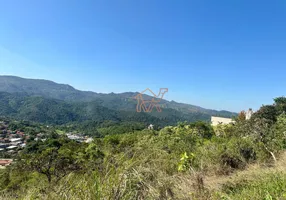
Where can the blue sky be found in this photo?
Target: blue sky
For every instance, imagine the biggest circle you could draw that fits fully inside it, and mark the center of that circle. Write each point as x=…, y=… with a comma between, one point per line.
x=219, y=54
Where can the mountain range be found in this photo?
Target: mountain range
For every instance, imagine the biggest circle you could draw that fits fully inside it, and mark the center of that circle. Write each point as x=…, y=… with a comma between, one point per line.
x=49, y=102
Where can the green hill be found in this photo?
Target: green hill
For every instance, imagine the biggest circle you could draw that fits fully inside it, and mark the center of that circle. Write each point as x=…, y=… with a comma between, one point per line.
x=48, y=102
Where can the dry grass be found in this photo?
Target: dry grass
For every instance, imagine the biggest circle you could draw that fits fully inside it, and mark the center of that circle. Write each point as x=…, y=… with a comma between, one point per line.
x=250, y=173
x=202, y=187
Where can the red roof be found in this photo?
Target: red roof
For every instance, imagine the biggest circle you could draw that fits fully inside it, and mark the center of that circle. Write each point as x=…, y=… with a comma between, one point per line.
x=5, y=162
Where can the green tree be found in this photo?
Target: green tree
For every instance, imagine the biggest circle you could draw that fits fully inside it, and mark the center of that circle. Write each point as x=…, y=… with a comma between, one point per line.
x=267, y=112
x=280, y=104
x=53, y=159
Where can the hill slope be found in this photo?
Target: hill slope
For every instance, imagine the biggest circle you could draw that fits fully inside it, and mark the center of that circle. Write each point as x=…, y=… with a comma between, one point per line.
x=45, y=88
x=50, y=102
x=53, y=111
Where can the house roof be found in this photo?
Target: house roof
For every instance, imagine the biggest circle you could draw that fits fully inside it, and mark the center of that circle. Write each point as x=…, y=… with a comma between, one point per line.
x=5, y=162
x=15, y=139
x=11, y=147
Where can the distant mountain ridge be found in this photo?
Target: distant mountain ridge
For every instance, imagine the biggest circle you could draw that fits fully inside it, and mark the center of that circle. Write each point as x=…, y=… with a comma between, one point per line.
x=45, y=88
x=18, y=89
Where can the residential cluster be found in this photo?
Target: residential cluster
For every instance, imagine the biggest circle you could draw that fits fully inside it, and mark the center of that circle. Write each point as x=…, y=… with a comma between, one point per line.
x=79, y=138
x=11, y=140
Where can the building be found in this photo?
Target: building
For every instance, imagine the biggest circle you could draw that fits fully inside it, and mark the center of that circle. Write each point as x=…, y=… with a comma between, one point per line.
x=3, y=145
x=89, y=140
x=15, y=139
x=248, y=114
x=221, y=120
x=22, y=145
x=151, y=127
x=77, y=138
x=12, y=147
x=6, y=162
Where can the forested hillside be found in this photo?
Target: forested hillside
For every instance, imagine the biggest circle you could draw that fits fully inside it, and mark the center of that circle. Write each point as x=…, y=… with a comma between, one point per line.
x=121, y=101
x=58, y=112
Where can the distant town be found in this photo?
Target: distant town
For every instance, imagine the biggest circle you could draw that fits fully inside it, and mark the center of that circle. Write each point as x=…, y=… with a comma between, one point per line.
x=12, y=141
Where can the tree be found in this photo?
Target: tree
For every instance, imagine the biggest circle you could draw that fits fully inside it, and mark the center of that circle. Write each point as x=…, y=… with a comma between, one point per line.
x=269, y=137
x=54, y=160
x=241, y=116
x=267, y=112
x=204, y=129
x=280, y=104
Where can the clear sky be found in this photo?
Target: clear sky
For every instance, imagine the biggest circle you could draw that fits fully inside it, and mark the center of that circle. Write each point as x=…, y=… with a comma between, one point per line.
x=219, y=54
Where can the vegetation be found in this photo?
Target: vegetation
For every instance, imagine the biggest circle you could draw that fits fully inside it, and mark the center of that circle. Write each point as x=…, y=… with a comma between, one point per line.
x=91, y=114
x=245, y=160
x=48, y=102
